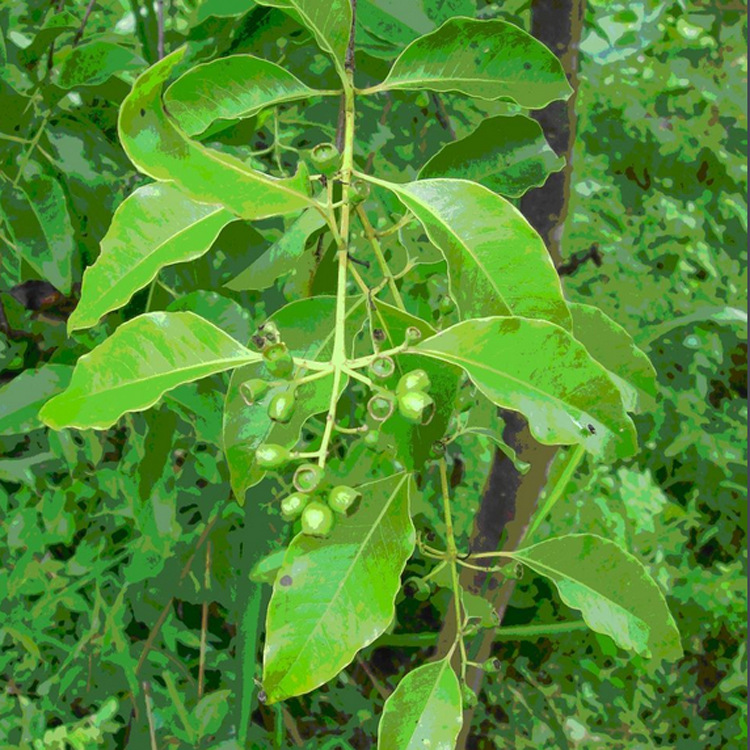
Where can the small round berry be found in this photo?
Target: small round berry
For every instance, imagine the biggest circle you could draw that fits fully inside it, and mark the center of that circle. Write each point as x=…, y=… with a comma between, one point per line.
x=281, y=406
x=308, y=477
x=270, y=456
x=278, y=360
x=253, y=390
x=416, y=380
x=416, y=407
x=317, y=519
x=293, y=505
x=343, y=499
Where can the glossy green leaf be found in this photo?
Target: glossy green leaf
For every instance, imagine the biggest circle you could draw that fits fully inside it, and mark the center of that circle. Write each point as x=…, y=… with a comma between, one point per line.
x=223, y=312
x=21, y=399
x=612, y=346
x=330, y=22
x=424, y=711
x=307, y=328
x=41, y=231
x=509, y=155
x=159, y=149
x=143, y=359
x=611, y=588
x=485, y=59
x=334, y=596
x=541, y=371
x=497, y=263
x=230, y=88
x=156, y=226
x=94, y=63
x=287, y=255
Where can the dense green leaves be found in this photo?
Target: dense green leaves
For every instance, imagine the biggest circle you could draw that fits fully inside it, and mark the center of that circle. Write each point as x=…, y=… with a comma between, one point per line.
x=154, y=227
x=423, y=711
x=509, y=155
x=229, y=89
x=611, y=345
x=21, y=399
x=334, y=596
x=612, y=589
x=540, y=370
x=94, y=63
x=484, y=59
x=143, y=359
x=159, y=149
x=497, y=264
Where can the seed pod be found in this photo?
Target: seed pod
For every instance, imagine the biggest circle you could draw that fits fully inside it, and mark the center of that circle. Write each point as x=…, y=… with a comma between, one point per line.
x=381, y=368
x=281, y=406
x=417, y=588
x=278, y=360
x=416, y=380
x=416, y=407
x=413, y=335
x=253, y=390
x=317, y=519
x=380, y=407
x=492, y=665
x=359, y=191
x=308, y=477
x=270, y=456
x=293, y=505
x=326, y=159
x=343, y=499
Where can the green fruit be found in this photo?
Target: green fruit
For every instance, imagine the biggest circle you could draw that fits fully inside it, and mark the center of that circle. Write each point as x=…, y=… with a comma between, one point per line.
x=380, y=407
x=253, y=390
x=359, y=191
x=492, y=665
x=278, y=360
x=417, y=588
x=308, y=477
x=317, y=519
x=293, y=505
x=272, y=456
x=372, y=438
x=326, y=159
x=281, y=406
x=468, y=696
x=343, y=499
x=381, y=368
x=416, y=380
x=413, y=335
x=416, y=407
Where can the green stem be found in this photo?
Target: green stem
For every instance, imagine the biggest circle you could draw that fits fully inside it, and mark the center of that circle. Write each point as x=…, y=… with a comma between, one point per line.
x=377, y=250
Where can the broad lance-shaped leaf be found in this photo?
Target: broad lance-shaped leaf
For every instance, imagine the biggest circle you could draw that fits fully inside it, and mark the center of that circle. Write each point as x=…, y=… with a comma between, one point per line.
x=497, y=263
x=509, y=155
x=424, y=711
x=307, y=328
x=334, y=596
x=21, y=399
x=156, y=226
x=541, y=371
x=286, y=255
x=484, y=59
x=231, y=88
x=159, y=149
x=612, y=346
x=144, y=358
x=329, y=20
x=611, y=588
x=94, y=63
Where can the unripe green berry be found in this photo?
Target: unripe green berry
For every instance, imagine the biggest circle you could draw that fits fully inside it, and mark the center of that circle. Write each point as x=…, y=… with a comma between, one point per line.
x=293, y=505
x=416, y=380
x=380, y=407
x=326, y=158
x=270, y=456
x=416, y=407
x=278, y=360
x=308, y=477
x=413, y=335
x=343, y=499
x=359, y=191
x=317, y=519
x=492, y=665
x=281, y=406
x=253, y=390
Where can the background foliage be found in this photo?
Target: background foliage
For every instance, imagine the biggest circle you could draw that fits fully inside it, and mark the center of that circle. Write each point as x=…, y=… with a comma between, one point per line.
x=103, y=580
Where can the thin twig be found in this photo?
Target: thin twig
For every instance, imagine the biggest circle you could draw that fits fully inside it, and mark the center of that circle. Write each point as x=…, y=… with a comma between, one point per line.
x=79, y=34
x=383, y=690
x=149, y=715
x=204, y=623
x=51, y=50
x=160, y=29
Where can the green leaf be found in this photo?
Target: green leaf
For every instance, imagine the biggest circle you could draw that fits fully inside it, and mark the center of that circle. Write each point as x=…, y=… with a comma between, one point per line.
x=21, y=399
x=223, y=312
x=94, y=63
x=334, y=596
x=612, y=346
x=210, y=711
x=612, y=589
x=509, y=155
x=286, y=255
x=497, y=263
x=306, y=327
x=231, y=88
x=483, y=59
x=154, y=227
x=159, y=149
x=541, y=371
x=39, y=224
x=330, y=22
x=143, y=359
x=424, y=711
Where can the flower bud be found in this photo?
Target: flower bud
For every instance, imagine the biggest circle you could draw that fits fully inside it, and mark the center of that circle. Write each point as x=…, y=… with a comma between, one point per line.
x=278, y=360
x=281, y=406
